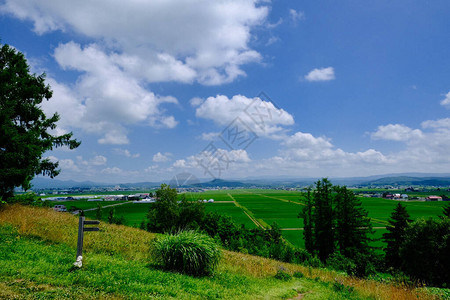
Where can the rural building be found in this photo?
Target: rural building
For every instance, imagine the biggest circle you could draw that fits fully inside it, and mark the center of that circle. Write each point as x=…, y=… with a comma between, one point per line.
x=434, y=198
x=61, y=208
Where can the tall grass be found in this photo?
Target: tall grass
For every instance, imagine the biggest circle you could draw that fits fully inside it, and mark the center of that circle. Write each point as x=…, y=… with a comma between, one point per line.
x=134, y=244
x=63, y=228
x=187, y=252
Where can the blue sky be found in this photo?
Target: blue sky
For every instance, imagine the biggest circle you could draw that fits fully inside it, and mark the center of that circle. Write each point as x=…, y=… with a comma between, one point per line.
x=157, y=88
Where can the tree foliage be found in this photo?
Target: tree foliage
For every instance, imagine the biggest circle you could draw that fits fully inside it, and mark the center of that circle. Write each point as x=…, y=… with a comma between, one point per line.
x=307, y=222
x=395, y=235
x=167, y=215
x=334, y=220
x=352, y=223
x=323, y=219
x=446, y=210
x=425, y=251
x=24, y=127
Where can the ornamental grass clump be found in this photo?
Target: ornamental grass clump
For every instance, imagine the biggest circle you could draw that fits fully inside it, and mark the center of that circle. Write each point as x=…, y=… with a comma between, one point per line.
x=187, y=252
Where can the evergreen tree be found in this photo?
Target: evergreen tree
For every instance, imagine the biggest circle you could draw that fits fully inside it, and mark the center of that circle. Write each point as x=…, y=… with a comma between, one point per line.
x=398, y=223
x=352, y=224
x=308, y=222
x=322, y=218
x=446, y=210
x=25, y=129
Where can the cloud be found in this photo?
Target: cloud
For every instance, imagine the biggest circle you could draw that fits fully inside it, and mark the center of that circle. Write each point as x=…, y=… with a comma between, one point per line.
x=306, y=148
x=446, y=101
x=425, y=150
x=134, y=44
x=65, y=164
x=152, y=168
x=260, y=117
x=180, y=163
x=99, y=160
x=114, y=170
x=438, y=124
x=275, y=25
x=126, y=152
x=323, y=74
x=196, y=101
x=104, y=100
x=80, y=165
x=396, y=132
x=210, y=136
x=184, y=41
x=159, y=157
x=114, y=136
x=272, y=40
x=296, y=15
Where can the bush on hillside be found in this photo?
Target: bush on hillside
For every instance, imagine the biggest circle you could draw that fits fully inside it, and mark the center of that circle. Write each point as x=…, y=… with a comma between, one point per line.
x=188, y=252
x=361, y=265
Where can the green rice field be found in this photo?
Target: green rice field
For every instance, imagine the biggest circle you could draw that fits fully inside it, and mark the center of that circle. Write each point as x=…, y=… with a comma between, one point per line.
x=262, y=208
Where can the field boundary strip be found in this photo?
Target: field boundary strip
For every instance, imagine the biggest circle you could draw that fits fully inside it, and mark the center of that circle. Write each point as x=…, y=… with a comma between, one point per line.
x=244, y=209
x=280, y=199
x=292, y=229
x=106, y=206
x=380, y=221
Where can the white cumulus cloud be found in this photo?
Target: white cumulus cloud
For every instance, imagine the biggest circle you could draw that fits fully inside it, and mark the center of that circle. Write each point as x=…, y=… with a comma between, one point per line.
x=160, y=157
x=126, y=152
x=396, y=132
x=446, y=101
x=323, y=74
x=104, y=100
x=202, y=40
x=256, y=115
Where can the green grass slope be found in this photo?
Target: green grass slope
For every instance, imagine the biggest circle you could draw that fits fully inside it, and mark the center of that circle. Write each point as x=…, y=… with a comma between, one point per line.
x=38, y=246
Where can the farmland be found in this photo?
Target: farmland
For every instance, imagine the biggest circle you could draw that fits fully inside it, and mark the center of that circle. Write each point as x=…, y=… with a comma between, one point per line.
x=262, y=208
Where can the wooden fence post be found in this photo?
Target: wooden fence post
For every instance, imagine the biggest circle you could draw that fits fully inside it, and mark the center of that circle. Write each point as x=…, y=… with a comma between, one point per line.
x=80, y=237
x=81, y=230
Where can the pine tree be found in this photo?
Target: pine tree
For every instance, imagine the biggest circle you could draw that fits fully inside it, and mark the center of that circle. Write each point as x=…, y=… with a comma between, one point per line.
x=352, y=224
x=308, y=222
x=25, y=129
x=446, y=210
x=398, y=223
x=322, y=218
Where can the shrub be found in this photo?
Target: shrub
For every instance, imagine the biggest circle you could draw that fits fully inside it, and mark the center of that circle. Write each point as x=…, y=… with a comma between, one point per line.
x=298, y=274
x=301, y=256
x=25, y=199
x=314, y=262
x=188, y=252
x=282, y=275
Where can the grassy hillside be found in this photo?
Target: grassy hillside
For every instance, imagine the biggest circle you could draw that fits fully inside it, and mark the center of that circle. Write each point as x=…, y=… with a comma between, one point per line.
x=38, y=245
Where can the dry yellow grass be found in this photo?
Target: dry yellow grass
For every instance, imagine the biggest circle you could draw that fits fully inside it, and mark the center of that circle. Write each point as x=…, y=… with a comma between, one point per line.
x=133, y=243
x=63, y=228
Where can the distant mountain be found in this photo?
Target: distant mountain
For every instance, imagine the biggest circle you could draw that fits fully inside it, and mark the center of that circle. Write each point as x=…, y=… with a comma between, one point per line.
x=417, y=179
x=407, y=180
x=139, y=185
x=223, y=183
x=48, y=183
